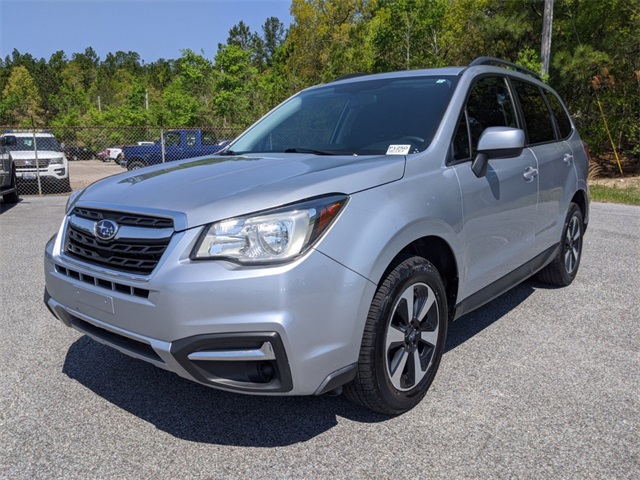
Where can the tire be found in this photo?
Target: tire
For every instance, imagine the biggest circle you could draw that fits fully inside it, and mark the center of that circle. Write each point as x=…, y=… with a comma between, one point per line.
x=12, y=197
x=564, y=268
x=135, y=165
x=399, y=357
x=63, y=186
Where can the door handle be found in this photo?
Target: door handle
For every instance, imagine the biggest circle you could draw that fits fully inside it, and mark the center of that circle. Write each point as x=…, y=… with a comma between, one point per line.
x=568, y=158
x=530, y=173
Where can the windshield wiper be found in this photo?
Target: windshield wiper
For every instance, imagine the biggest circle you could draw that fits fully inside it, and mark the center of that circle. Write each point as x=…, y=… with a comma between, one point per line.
x=315, y=152
x=225, y=152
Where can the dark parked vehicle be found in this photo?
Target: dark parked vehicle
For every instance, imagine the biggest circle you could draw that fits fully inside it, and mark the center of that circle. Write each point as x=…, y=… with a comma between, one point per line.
x=79, y=153
x=8, y=188
x=178, y=145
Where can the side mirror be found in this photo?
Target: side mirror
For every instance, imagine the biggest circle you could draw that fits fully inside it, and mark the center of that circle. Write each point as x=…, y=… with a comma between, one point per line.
x=497, y=142
x=8, y=141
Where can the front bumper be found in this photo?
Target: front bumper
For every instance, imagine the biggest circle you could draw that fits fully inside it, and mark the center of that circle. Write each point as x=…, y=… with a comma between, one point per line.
x=292, y=329
x=53, y=172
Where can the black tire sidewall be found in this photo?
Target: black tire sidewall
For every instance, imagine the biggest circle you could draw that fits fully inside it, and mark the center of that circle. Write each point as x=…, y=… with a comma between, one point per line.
x=405, y=274
x=12, y=197
x=574, y=211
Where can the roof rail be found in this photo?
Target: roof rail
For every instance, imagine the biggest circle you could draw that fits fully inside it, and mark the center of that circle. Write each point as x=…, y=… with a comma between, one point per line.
x=350, y=75
x=497, y=61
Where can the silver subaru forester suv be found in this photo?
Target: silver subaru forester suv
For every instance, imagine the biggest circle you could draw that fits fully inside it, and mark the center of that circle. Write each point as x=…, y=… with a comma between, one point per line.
x=331, y=243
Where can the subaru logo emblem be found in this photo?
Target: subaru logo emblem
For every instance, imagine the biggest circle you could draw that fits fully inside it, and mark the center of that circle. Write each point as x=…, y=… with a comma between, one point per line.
x=105, y=229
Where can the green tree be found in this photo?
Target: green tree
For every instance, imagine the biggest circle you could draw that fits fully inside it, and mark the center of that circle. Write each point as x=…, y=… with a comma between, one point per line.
x=405, y=34
x=21, y=100
x=233, y=85
x=326, y=39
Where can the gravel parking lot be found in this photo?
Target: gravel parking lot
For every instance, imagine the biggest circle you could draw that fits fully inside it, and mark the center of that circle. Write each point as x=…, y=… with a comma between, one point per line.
x=540, y=383
x=85, y=172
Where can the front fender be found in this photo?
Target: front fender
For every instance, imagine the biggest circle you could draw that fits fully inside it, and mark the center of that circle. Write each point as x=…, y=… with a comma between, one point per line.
x=379, y=223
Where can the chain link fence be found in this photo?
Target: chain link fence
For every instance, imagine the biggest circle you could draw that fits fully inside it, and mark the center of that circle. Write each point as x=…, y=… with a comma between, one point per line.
x=57, y=160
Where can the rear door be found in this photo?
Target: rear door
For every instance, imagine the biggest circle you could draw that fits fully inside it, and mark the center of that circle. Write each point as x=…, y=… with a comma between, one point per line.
x=499, y=208
x=557, y=174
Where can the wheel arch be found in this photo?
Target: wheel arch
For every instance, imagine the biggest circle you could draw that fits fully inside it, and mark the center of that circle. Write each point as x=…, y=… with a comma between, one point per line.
x=581, y=199
x=135, y=160
x=437, y=251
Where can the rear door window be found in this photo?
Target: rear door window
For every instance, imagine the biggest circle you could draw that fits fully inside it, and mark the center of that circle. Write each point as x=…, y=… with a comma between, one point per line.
x=537, y=117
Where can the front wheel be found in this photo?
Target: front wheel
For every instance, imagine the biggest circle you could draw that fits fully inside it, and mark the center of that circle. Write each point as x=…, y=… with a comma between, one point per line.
x=13, y=196
x=63, y=186
x=403, y=340
x=564, y=268
x=135, y=165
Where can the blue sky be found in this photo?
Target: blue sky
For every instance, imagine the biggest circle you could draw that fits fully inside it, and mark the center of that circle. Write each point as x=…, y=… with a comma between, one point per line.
x=153, y=28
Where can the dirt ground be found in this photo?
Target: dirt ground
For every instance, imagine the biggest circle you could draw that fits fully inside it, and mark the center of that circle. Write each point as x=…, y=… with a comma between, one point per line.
x=622, y=182
x=604, y=170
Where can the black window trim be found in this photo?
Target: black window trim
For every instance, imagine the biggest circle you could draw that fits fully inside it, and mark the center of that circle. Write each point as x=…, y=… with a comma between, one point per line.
x=520, y=113
x=545, y=93
x=519, y=123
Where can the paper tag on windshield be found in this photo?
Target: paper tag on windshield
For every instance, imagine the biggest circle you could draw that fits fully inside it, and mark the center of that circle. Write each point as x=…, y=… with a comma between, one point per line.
x=398, y=149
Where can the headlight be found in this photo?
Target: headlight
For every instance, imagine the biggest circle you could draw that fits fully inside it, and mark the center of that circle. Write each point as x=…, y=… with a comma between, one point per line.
x=56, y=161
x=73, y=198
x=269, y=237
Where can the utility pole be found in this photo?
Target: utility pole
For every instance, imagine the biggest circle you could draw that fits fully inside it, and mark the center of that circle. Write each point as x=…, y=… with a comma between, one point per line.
x=146, y=98
x=547, y=23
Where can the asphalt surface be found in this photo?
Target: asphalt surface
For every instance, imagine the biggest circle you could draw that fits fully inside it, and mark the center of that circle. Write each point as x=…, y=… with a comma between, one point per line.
x=540, y=383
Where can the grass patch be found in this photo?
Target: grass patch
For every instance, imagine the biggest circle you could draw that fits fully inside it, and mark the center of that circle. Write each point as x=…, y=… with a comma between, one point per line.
x=626, y=195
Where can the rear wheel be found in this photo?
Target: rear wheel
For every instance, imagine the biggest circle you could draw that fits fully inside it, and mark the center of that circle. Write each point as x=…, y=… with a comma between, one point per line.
x=403, y=339
x=564, y=267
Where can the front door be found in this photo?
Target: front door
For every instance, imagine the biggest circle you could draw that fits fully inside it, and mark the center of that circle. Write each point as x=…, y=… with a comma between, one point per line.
x=500, y=208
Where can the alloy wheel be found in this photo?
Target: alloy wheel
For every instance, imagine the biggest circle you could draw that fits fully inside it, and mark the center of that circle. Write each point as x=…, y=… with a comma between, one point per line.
x=412, y=337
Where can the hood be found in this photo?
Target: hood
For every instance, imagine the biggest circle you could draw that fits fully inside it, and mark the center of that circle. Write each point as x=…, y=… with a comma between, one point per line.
x=208, y=189
x=31, y=155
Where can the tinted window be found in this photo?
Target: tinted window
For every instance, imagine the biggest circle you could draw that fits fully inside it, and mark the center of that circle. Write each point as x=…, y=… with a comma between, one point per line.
x=461, y=144
x=191, y=139
x=560, y=114
x=536, y=114
x=489, y=105
x=172, y=139
x=26, y=143
x=209, y=138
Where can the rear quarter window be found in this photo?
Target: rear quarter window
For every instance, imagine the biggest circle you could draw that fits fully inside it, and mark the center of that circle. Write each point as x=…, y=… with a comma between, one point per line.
x=560, y=114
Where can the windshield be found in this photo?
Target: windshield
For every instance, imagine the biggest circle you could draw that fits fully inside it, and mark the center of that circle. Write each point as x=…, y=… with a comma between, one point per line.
x=368, y=117
x=26, y=143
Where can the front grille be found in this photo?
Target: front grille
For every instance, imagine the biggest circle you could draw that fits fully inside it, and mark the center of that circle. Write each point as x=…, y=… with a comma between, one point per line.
x=124, y=218
x=101, y=282
x=137, y=249
x=31, y=164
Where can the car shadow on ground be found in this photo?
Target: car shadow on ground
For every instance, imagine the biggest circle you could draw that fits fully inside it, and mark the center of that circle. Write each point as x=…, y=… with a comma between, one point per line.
x=5, y=207
x=197, y=413
x=473, y=323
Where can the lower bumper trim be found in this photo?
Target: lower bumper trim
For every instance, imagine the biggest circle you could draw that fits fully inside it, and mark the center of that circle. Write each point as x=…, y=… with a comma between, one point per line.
x=242, y=362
